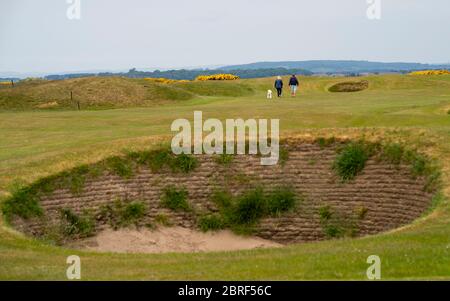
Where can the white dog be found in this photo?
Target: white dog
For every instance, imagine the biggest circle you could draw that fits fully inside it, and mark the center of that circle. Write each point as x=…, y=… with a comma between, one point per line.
x=269, y=94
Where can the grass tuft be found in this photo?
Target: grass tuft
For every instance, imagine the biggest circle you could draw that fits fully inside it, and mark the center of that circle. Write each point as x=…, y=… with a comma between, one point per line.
x=184, y=163
x=351, y=160
x=75, y=225
x=211, y=223
x=123, y=213
x=241, y=213
x=175, y=199
x=24, y=203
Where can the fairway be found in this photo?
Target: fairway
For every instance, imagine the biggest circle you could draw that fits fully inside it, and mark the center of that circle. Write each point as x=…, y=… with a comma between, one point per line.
x=413, y=110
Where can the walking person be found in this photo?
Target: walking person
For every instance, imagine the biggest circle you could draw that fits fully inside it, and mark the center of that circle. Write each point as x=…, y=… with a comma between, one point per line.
x=279, y=86
x=293, y=84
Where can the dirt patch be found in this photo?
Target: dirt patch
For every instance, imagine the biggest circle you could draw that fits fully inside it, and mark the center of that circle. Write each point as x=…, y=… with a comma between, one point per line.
x=171, y=239
x=349, y=86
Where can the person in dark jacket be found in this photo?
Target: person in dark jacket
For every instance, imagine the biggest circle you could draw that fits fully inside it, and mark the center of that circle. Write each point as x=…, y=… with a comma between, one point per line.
x=279, y=86
x=293, y=84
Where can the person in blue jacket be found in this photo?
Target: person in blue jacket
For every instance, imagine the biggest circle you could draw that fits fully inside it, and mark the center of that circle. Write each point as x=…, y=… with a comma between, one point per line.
x=279, y=86
x=293, y=84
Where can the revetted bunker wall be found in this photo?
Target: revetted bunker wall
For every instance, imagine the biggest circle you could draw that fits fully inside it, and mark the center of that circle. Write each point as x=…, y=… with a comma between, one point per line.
x=391, y=196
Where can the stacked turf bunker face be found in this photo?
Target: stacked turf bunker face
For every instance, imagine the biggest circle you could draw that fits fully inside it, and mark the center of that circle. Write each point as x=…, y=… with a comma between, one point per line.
x=320, y=189
x=353, y=86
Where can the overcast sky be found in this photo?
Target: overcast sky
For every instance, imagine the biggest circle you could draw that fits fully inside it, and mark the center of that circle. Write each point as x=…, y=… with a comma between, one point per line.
x=37, y=36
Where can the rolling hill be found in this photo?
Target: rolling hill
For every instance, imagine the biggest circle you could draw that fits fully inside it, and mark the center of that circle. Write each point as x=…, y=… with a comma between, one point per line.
x=338, y=66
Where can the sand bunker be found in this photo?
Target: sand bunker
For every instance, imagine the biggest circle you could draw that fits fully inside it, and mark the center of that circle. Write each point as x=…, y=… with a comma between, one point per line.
x=170, y=239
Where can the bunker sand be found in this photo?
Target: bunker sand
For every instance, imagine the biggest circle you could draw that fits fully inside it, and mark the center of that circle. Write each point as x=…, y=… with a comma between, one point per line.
x=171, y=239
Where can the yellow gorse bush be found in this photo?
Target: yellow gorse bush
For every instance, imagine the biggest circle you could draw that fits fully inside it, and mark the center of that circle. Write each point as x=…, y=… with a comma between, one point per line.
x=217, y=77
x=5, y=83
x=430, y=72
x=162, y=80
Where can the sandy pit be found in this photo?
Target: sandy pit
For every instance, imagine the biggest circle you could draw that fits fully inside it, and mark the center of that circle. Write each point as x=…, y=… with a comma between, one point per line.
x=171, y=239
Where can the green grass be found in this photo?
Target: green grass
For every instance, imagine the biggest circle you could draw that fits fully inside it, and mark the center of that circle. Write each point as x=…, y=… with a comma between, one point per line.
x=411, y=110
x=241, y=213
x=95, y=93
x=175, y=198
x=211, y=223
x=224, y=159
x=351, y=160
x=338, y=225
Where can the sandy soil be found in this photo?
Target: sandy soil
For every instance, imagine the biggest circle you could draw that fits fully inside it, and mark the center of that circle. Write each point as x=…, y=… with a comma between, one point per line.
x=171, y=239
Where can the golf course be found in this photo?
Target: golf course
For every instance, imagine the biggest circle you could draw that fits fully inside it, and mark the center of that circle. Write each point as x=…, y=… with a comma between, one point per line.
x=51, y=127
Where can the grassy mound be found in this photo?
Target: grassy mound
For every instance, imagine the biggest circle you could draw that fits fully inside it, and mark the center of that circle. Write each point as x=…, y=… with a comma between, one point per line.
x=109, y=92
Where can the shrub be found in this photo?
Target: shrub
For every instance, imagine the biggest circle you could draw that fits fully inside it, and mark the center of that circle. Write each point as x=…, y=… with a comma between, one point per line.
x=351, y=160
x=250, y=207
x=393, y=153
x=175, y=198
x=211, y=223
x=74, y=225
x=430, y=72
x=162, y=80
x=224, y=159
x=133, y=212
x=217, y=77
x=332, y=231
